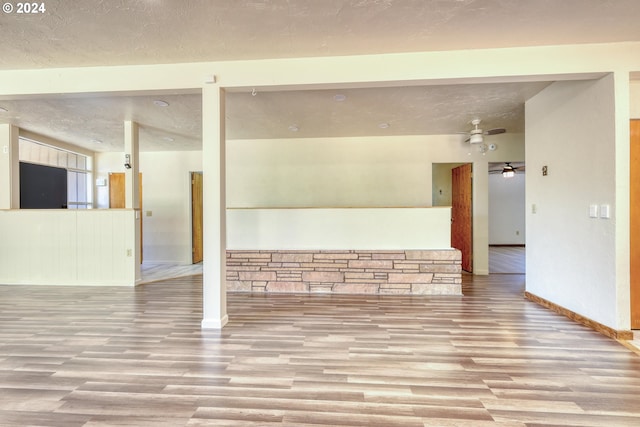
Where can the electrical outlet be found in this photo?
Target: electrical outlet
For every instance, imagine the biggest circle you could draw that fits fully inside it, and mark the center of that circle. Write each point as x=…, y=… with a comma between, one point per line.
x=517, y=232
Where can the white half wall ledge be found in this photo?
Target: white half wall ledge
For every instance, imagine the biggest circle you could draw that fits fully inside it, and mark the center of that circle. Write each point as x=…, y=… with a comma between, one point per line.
x=215, y=323
x=339, y=228
x=68, y=247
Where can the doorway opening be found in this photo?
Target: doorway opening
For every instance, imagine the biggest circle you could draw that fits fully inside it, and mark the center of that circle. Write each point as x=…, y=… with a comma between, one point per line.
x=507, y=218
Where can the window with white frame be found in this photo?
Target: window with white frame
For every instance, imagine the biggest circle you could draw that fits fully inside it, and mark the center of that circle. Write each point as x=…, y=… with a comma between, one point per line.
x=78, y=166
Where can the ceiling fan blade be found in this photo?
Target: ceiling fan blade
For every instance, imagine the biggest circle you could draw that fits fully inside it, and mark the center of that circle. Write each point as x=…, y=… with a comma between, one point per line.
x=495, y=131
x=468, y=139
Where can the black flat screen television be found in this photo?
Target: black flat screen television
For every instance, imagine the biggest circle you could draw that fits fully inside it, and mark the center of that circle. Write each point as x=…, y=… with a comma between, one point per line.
x=42, y=187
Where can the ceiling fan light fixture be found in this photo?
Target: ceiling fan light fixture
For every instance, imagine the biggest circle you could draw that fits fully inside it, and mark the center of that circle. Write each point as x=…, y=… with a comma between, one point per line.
x=508, y=171
x=476, y=138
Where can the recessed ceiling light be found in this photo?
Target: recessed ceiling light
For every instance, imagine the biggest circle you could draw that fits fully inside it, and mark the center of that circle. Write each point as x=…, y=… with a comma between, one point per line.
x=160, y=103
x=168, y=138
x=96, y=141
x=3, y=110
x=339, y=97
x=294, y=128
x=383, y=125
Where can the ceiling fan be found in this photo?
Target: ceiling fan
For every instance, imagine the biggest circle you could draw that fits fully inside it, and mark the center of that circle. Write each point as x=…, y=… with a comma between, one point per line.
x=508, y=171
x=476, y=134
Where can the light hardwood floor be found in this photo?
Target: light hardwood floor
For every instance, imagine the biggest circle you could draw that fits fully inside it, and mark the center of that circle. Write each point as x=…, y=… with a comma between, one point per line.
x=74, y=356
x=152, y=272
x=507, y=259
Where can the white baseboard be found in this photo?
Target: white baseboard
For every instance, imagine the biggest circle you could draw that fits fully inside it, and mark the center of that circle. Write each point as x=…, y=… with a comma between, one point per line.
x=214, y=323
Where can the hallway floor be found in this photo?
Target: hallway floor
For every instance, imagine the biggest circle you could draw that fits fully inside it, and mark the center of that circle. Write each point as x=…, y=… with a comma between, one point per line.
x=507, y=259
x=152, y=272
x=87, y=356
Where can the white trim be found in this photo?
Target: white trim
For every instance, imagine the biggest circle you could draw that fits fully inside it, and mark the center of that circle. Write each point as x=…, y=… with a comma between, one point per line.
x=215, y=324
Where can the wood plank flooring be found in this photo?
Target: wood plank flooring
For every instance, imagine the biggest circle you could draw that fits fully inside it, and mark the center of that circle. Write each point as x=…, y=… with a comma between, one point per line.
x=507, y=259
x=73, y=356
x=152, y=272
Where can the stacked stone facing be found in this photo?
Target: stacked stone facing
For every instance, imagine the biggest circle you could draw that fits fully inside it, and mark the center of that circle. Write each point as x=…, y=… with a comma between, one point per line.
x=406, y=272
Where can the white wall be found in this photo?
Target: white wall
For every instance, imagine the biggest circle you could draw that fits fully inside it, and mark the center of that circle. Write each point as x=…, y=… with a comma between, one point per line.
x=441, y=189
x=507, y=209
x=571, y=258
x=348, y=172
x=328, y=172
x=166, y=194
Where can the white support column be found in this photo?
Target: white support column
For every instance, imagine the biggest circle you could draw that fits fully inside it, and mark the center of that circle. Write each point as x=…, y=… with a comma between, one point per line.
x=131, y=137
x=622, y=211
x=214, y=290
x=9, y=167
x=132, y=184
x=481, y=217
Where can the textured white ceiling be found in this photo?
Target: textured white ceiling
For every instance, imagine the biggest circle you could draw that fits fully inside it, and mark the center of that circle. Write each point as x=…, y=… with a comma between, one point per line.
x=84, y=120
x=96, y=32
x=114, y=32
x=414, y=110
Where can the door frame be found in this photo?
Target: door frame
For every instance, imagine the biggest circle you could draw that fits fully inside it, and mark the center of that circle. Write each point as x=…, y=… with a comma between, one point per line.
x=634, y=223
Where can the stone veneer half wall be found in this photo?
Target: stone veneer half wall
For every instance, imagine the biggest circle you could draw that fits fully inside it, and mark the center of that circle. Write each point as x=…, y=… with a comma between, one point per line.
x=405, y=272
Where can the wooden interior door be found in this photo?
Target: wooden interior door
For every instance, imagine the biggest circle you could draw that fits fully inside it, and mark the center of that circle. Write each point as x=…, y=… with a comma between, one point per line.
x=196, y=216
x=116, y=191
x=462, y=213
x=117, y=196
x=634, y=235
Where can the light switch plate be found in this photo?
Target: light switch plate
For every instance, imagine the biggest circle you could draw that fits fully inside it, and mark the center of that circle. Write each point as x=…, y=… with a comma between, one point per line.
x=605, y=211
x=593, y=211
